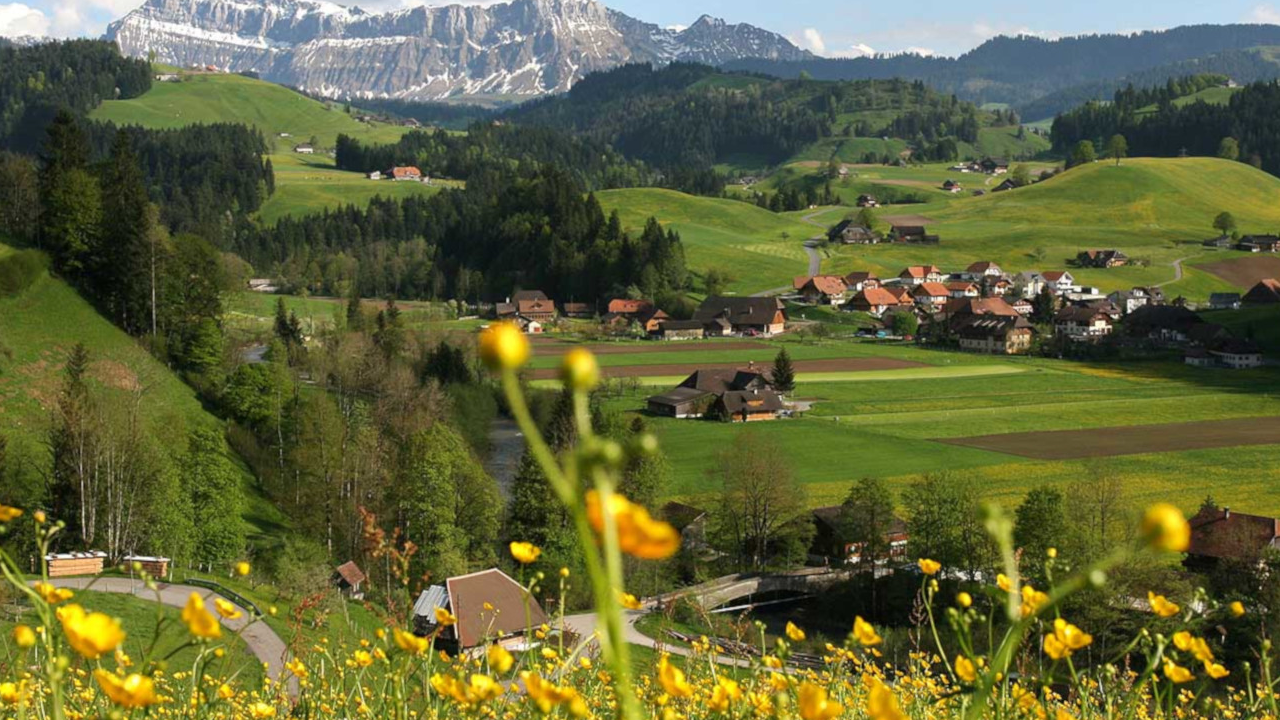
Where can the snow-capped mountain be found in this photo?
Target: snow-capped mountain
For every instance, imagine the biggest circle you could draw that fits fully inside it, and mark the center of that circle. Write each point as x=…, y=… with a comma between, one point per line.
x=524, y=47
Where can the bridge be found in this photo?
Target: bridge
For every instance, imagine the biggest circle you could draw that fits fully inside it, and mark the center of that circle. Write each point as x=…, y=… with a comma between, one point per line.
x=714, y=595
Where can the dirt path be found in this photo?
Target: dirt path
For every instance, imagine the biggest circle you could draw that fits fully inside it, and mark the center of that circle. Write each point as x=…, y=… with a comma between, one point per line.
x=1177, y=272
x=263, y=642
x=810, y=249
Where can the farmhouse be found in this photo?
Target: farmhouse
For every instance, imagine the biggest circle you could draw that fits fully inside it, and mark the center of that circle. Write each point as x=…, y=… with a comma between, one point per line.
x=849, y=232
x=375, y=175
x=1163, y=323
x=744, y=315
x=1220, y=534
x=1005, y=186
x=1081, y=323
x=874, y=301
x=1222, y=242
x=952, y=186
x=962, y=289
x=304, y=149
x=997, y=287
x=689, y=521
x=1129, y=300
x=624, y=306
x=1101, y=259
x=348, y=577
x=867, y=201
x=919, y=274
x=1059, y=281
x=1237, y=354
x=1266, y=292
x=1029, y=283
x=1023, y=306
x=996, y=335
x=824, y=290
x=829, y=545
x=541, y=311
x=995, y=166
x=915, y=234
x=1224, y=301
x=407, y=173
x=736, y=395
x=983, y=269
x=858, y=281
x=931, y=294
x=490, y=608
x=1259, y=243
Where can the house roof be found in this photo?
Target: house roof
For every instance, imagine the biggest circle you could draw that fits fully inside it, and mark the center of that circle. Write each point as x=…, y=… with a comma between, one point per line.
x=739, y=310
x=525, y=307
x=721, y=380
x=930, y=289
x=830, y=516
x=680, y=515
x=1162, y=317
x=1054, y=276
x=679, y=396
x=1224, y=297
x=909, y=229
x=428, y=600
x=625, y=306
x=1221, y=533
x=468, y=596
x=406, y=171
x=529, y=295
x=1078, y=314
x=501, y=309
x=982, y=266
x=1266, y=291
x=997, y=326
x=961, y=285
x=979, y=306
x=574, y=308
x=1237, y=346
x=858, y=276
x=918, y=271
x=751, y=401
x=350, y=573
x=683, y=325
x=875, y=296
x=826, y=284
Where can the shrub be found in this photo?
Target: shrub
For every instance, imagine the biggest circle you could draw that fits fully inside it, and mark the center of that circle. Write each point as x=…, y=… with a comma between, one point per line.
x=19, y=270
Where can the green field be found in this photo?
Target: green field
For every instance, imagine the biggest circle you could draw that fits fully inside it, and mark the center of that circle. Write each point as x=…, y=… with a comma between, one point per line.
x=887, y=423
x=758, y=248
x=304, y=183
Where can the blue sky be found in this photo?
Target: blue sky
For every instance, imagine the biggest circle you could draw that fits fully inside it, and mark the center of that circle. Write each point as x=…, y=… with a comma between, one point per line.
x=827, y=27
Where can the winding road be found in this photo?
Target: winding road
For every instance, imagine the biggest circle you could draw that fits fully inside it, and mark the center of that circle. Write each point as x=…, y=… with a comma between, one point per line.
x=810, y=249
x=1177, y=272
x=587, y=624
x=263, y=642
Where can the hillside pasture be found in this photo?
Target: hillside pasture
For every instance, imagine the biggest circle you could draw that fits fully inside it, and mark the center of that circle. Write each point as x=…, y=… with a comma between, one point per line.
x=307, y=184
x=1135, y=440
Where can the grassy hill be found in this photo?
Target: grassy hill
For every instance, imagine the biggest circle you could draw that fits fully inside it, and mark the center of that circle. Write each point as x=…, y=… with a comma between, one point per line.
x=304, y=183
x=39, y=327
x=758, y=248
x=1155, y=210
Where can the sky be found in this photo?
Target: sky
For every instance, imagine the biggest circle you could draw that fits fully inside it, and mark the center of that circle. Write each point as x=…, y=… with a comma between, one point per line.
x=834, y=28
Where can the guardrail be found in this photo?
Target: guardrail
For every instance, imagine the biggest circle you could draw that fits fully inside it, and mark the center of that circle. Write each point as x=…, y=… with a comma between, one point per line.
x=227, y=593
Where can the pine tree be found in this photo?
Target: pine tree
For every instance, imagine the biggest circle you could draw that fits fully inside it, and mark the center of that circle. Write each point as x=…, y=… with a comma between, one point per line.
x=120, y=266
x=784, y=374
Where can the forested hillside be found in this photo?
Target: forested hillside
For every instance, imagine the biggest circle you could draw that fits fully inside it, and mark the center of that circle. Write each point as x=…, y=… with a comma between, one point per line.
x=1247, y=127
x=1019, y=70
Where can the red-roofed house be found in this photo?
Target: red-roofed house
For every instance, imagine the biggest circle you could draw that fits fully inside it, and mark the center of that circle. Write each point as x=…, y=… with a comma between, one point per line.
x=407, y=172
x=624, y=306
x=930, y=294
x=1059, y=281
x=1220, y=534
x=348, y=577
x=917, y=274
x=874, y=301
x=984, y=269
x=858, y=281
x=962, y=289
x=824, y=290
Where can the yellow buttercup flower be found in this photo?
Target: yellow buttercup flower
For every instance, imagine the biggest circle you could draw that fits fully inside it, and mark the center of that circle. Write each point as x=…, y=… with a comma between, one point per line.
x=1161, y=606
x=1032, y=600
x=90, y=634
x=444, y=618
x=9, y=514
x=52, y=595
x=243, y=568
x=12, y=693
x=579, y=370
x=1214, y=670
x=499, y=659
x=200, y=621
x=411, y=643
x=227, y=609
x=629, y=601
x=726, y=693
x=1003, y=582
x=297, y=667
x=929, y=567
x=546, y=694
x=1176, y=673
x=964, y=600
x=639, y=534
x=133, y=691
x=1065, y=639
x=864, y=632
x=794, y=632
x=503, y=347
x=1166, y=528
x=815, y=704
x=965, y=669
x=1237, y=608
x=261, y=711
x=225, y=692
x=525, y=553
x=672, y=679
x=362, y=658
x=23, y=636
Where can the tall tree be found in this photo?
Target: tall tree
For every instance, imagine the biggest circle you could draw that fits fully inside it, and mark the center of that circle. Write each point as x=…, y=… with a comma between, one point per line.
x=1083, y=153
x=1225, y=223
x=1040, y=523
x=19, y=197
x=945, y=523
x=761, y=516
x=1117, y=147
x=216, y=499
x=122, y=265
x=784, y=373
x=70, y=198
x=866, y=518
x=1229, y=149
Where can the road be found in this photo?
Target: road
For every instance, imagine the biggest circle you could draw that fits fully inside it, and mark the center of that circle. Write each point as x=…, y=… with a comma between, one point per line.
x=1177, y=272
x=263, y=642
x=586, y=624
x=810, y=249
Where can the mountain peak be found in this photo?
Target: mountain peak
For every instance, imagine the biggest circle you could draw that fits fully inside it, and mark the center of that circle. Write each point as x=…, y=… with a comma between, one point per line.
x=514, y=49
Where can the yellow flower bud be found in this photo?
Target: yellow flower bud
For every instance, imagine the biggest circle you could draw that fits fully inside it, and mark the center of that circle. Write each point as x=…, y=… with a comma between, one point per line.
x=503, y=347
x=579, y=370
x=24, y=637
x=1166, y=528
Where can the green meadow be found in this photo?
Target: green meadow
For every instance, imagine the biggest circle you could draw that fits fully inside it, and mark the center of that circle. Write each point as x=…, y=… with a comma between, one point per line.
x=306, y=184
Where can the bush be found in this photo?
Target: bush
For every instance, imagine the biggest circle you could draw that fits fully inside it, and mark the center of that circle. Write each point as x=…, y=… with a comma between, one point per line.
x=20, y=270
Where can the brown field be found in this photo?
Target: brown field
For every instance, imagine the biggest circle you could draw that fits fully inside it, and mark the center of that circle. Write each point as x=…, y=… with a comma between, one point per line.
x=1135, y=440
x=801, y=366
x=907, y=220
x=1245, y=272
x=654, y=347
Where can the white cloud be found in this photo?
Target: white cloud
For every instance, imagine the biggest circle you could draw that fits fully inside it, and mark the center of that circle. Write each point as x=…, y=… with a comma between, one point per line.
x=810, y=39
x=18, y=19
x=915, y=50
x=1265, y=14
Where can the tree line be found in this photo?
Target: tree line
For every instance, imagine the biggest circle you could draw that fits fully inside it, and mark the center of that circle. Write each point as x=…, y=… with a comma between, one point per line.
x=1247, y=127
x=530, y=227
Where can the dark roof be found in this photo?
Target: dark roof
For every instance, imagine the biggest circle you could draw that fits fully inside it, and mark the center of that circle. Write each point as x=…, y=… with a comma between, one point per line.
x=350, y=573
x=574, y=308
x=523, y=295
x=1221, y=533
x=1208, y=333
x=680, y=515
x=979, y=306
x=1076, y=313
x=751, y=401
x=679, y=396
x=720, y=380
x=504, y=309
x=1266, y=291
x=1237, y=346
x=998, y=326
x=739, y=310
x=683, y=325
x=1149, y=318
x=909, y=230
x=1224, y=297
x=468, y=595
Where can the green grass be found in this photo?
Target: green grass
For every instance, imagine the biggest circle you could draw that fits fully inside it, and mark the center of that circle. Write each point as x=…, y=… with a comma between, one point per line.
x=38, y=329
x=141, y=617
x=1259, y=322
x=737, y=237
x=308, y=183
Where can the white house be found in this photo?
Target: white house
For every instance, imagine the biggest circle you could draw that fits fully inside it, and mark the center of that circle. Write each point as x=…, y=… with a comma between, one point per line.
x=1059, y=281
x=304, y=149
